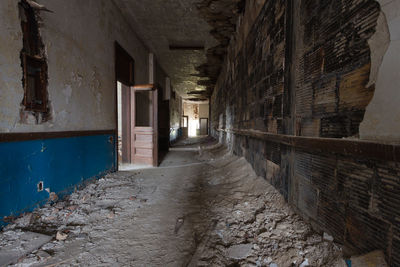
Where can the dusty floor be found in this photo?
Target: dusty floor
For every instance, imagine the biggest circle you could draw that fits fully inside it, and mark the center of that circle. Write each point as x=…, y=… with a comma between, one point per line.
x=201, y=207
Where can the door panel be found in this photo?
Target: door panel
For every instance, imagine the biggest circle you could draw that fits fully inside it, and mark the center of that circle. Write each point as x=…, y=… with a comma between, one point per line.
x=143, y=138
x=144, y=126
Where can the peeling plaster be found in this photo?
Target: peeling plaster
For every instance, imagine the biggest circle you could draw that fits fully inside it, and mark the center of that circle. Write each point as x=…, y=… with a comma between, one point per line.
x=378, y=44
x=67, y=92
x=382, y=117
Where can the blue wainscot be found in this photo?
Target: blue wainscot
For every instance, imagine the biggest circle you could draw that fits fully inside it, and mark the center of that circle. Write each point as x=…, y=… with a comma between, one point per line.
x=56, y=164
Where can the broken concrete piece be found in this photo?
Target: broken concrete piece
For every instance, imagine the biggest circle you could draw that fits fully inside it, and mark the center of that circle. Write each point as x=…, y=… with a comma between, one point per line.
x=24, y=220
x=61, y=236
x=327, y=237
x=305, y=263
x=239, y=252
x=373, y=259
x=110, y=215
x=21, y=244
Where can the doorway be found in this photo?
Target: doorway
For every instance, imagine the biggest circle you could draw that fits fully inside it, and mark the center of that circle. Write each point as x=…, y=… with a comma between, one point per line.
x=195, y=119
x=203, y=126
x=185, y=126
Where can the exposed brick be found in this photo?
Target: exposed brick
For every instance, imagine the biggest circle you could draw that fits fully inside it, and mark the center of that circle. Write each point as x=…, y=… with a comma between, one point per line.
x=355, y=200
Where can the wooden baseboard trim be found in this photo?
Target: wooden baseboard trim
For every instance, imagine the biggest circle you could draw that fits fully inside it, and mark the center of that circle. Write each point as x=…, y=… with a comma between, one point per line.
x=348, y=147
x=15, y=137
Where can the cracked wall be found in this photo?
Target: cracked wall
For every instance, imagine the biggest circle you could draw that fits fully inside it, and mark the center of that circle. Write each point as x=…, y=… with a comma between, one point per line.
x=79, y=42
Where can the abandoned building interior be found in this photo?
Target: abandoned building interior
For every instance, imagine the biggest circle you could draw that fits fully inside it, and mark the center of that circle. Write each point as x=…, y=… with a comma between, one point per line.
x=200, y=133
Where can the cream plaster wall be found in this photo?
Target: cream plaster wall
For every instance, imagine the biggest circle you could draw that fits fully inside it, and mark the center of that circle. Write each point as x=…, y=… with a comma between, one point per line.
x=382, y=117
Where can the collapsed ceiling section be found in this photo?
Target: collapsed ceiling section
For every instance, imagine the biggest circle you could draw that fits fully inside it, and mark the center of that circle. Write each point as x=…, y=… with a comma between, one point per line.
x=188, y=37
x=221, y=15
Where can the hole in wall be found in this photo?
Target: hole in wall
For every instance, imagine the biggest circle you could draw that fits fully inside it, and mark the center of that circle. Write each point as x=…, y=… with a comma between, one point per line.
x=40, y=186
x=34, y=67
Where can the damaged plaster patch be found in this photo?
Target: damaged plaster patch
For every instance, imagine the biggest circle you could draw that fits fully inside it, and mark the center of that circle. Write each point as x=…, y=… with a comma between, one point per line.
x=95, y=86
x=77, y=78
x=99, y=98
x=62, y=117
x=382, y=116
x=67, y=92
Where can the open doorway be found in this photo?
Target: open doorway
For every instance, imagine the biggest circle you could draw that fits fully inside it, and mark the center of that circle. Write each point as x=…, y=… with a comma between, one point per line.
x=185, y=125
x=195, y=118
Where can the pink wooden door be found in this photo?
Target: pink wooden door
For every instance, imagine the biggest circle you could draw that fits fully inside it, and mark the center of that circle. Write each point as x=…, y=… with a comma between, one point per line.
x=144, y=125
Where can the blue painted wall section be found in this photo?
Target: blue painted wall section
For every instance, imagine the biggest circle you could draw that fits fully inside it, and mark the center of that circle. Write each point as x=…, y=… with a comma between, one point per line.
x=61, y=163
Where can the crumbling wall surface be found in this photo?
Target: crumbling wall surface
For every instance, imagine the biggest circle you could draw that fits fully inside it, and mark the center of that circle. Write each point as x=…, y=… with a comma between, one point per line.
x=306, y=73
x=79, y=41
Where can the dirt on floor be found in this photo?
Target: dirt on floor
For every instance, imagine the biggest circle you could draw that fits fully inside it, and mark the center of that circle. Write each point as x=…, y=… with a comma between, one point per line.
x=212, y=211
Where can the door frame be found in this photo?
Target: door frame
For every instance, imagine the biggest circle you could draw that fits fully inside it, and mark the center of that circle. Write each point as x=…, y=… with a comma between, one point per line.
x=121, y=55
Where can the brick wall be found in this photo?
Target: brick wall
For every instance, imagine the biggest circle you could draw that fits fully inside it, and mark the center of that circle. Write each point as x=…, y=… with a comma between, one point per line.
x=303, y=70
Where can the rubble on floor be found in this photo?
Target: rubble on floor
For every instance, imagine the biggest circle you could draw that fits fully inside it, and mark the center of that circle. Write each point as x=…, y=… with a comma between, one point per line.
x=254, y=226
x=216, y=212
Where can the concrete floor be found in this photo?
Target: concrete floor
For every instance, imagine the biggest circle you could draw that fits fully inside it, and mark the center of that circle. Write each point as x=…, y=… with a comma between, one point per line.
x=201, y=207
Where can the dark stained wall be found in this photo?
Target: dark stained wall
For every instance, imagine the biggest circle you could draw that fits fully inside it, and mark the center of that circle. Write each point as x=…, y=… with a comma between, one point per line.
x=333, y=65
x=303, y=72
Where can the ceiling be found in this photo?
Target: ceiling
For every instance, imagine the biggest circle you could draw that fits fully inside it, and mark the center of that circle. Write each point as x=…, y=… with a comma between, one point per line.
x=161, y=23
x=197, y=28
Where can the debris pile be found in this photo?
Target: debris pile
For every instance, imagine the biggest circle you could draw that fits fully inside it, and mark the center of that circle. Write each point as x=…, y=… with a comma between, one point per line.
x=254, y=226
x=70, y=222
